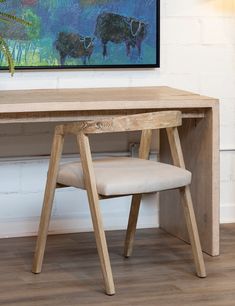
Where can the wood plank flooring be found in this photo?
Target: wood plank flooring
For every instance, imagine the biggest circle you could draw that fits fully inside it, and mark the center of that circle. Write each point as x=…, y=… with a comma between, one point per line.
x=160, y=272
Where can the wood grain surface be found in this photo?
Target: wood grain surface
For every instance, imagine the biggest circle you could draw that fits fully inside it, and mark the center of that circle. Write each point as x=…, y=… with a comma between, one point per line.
x=200, y=145
x=22, y=101
x=199, y=137
x=160, y=272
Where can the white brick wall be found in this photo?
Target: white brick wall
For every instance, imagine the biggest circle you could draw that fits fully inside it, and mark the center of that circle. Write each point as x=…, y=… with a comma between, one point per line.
x=21, y=196
x=197, y=54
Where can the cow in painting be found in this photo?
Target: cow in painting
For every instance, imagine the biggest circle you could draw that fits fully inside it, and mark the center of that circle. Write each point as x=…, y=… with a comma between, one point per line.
x=120, y=29
x=75, y=46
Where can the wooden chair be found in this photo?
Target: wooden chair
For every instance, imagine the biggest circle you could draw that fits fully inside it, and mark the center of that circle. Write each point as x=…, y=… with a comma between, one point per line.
x=106, y=178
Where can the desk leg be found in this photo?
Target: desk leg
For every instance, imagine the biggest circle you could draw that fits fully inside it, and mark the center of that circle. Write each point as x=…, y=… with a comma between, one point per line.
x=200, y=144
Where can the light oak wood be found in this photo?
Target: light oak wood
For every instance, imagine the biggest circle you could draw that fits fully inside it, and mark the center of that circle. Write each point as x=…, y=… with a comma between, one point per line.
x=169, y=120
x=186, y=200
x=99, y=99
x=193, y=231
x=132, y=223
x=93, y=198
x=62, y=116
x=144, y=150
x=199, y=138
x=158, y=120
x=175, y=147
x=57, y=147
x=200, y=145
x=178, y=160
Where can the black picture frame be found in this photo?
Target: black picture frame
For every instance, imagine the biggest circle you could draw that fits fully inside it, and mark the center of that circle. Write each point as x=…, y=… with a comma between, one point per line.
x=100, y=66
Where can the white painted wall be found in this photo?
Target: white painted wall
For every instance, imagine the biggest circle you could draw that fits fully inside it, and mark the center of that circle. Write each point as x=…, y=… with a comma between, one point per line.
x=197, y=54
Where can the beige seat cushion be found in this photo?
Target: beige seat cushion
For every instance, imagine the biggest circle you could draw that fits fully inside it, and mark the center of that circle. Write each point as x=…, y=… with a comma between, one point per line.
x=125, y=175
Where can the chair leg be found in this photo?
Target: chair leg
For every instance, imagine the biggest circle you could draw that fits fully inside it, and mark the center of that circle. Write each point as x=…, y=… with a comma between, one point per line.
x=131, y=228
x=56, y=152
x=102, y=246
x=193, y=231
x=93, y=198
x=43, y=228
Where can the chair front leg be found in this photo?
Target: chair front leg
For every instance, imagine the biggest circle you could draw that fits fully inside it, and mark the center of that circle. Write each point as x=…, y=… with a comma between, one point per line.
x=56, y=152
x=101, y=244
x=186, y=200
x=93, y=197
x=132, y=223
x=43, y=228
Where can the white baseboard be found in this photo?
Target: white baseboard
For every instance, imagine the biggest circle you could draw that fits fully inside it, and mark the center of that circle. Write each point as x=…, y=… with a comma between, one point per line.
x=22, y=227
x=20, y=207
x=227, y=213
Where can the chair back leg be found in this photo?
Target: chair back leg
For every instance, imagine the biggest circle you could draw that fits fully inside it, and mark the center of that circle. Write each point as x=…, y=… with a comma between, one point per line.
x=186, y=200
x=132, y=223
x=145, y=145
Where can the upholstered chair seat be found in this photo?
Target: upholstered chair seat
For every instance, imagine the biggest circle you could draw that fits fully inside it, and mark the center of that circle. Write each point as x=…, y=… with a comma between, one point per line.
x=126, y=175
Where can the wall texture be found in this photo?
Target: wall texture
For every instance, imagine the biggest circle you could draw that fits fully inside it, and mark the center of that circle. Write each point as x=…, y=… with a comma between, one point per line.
x=197, y=54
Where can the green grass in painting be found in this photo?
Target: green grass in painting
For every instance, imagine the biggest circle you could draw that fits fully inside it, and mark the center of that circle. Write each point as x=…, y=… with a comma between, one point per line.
x=33, y=54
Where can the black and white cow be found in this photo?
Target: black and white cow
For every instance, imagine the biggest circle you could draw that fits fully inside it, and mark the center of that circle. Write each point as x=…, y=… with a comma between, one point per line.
x=74, y=45
x=120, y=29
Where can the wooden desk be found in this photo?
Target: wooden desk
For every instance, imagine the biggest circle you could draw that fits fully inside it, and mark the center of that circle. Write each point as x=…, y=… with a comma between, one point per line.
x=199, y=136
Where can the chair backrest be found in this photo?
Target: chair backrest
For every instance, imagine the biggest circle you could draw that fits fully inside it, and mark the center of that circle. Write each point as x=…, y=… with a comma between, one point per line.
x=146, y=121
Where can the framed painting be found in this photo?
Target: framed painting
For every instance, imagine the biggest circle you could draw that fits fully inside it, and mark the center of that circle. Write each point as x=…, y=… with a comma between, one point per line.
x=83, y=34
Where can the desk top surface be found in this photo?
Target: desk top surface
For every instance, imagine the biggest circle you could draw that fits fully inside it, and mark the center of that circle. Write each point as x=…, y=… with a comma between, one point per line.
x=54, y=100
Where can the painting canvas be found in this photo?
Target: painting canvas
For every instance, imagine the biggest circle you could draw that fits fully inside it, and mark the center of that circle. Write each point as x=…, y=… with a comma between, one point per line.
x=83, y=33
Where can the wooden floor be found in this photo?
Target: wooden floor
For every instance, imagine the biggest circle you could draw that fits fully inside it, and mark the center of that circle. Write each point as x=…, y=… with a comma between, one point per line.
x=160, y=272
